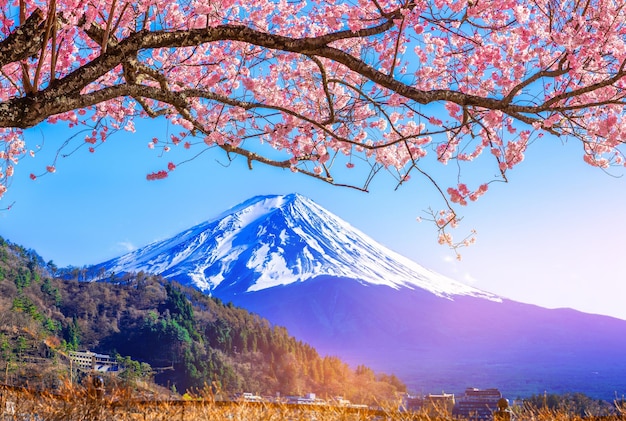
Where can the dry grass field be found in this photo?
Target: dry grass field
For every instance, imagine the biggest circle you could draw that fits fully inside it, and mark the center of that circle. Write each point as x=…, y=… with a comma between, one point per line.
x=74, y=404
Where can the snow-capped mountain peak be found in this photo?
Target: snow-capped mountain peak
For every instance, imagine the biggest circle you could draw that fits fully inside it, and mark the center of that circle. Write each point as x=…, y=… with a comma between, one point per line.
x=268, y=241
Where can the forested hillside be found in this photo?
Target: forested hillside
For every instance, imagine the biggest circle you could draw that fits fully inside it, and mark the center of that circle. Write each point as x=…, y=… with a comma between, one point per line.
x=160, y=331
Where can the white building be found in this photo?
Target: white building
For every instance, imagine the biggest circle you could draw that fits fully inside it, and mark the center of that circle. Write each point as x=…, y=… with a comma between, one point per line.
x=88, y=360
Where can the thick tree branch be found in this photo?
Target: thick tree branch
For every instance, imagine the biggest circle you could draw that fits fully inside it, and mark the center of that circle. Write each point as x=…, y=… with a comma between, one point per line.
x=63, y=89
x=37, y=106
x=25, y=41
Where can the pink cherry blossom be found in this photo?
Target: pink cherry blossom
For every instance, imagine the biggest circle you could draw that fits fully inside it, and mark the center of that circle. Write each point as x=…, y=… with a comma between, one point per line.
x=159, y=175
x=404, y=86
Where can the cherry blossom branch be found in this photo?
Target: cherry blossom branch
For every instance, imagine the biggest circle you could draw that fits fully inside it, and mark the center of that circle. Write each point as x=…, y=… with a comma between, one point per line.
x=24, y=42
x=81, y=77
x=50, y=23
x=329, y=99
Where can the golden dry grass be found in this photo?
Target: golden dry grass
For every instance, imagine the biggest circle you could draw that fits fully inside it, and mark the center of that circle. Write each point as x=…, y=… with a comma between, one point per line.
x=74, y=404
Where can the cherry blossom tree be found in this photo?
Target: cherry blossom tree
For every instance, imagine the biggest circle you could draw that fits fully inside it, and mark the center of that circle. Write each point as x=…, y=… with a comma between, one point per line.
x=317, y=86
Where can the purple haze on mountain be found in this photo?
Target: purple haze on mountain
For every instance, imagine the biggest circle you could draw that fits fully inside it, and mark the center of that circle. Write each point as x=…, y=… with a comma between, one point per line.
x=296, y=264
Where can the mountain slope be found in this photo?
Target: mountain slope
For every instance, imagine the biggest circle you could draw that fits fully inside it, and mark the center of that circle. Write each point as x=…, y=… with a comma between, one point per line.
x=436, y=344
x=294, y=263
x=189, y=339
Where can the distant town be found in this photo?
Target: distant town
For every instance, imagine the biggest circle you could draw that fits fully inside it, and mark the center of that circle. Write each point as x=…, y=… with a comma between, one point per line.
x=474, y=404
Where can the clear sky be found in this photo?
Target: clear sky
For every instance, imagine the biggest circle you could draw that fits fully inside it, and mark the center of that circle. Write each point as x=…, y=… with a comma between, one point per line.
x=553, y=236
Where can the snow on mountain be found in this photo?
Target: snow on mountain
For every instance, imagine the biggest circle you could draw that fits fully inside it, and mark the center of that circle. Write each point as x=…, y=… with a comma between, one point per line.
x=269, y=241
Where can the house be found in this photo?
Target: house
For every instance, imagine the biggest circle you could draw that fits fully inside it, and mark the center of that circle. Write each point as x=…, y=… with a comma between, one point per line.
x=250, y=397
x=434, y=405
x=439, y=404
x=477, y=404
x=88, y=360
x=412, y=403
x=308, y=399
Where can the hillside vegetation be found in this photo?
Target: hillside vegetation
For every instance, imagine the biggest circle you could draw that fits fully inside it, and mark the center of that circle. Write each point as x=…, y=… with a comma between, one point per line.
x=161, y=332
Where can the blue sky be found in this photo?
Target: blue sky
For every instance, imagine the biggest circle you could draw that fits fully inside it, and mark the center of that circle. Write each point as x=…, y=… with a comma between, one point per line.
x=552, y=236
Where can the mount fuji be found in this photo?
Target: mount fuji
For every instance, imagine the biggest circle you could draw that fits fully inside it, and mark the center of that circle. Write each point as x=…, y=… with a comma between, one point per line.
x=271, y=241
x=296, y=264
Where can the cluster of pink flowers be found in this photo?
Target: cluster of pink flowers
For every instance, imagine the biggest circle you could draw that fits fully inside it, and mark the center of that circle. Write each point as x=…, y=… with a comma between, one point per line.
x=158, y=175
x=460, y=194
